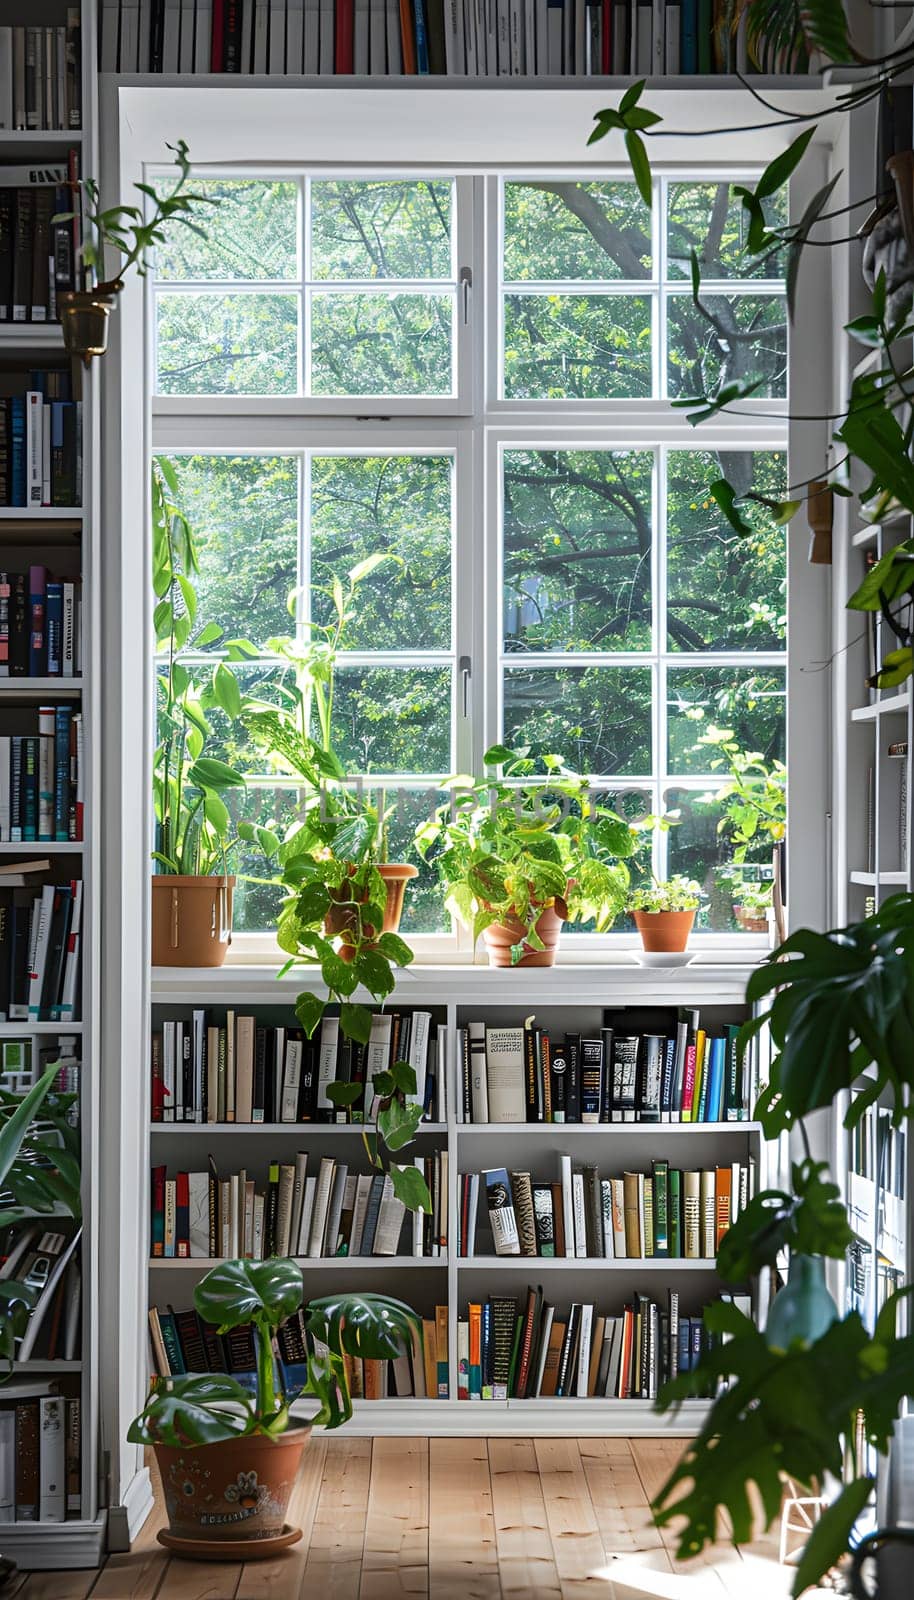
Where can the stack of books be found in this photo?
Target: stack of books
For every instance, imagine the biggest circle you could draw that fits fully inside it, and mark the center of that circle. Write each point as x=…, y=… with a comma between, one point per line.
x=41, y=780
x=510, y=1349
x=666, y=1213
x=41, y=75
x=182, y=1342
x=40, y=1457
x=530, y=1074
x=40, y=935
x=40, y=625
x=239, y=1070
x=40, y=439
x=38, y=256
x=328, y=1212
x=48, y=1259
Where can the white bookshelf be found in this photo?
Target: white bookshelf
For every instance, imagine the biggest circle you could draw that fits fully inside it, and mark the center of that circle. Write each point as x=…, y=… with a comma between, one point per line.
x=70, y=538
x=572, y=998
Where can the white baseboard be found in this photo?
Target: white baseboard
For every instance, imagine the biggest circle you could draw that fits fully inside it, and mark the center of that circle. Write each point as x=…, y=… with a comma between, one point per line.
x=533, y=1418
x=126, y=1519
x=51, y=1546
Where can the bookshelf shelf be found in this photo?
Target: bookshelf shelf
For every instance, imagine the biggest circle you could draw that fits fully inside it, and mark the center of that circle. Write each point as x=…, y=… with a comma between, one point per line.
x=894, y=705
x=313, y=1263
x=16, y=688
x=21, y=1030
x=864, y=537
x=555, y=1131
x=49, y=1367
x=41, y=514
x=40, y=847
x=634, y=1265
x=298, y=1130
x=545, y=1416
x=871, y=879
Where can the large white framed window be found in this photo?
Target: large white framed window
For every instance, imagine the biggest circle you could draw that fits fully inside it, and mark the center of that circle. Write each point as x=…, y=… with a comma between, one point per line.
x=479, y=374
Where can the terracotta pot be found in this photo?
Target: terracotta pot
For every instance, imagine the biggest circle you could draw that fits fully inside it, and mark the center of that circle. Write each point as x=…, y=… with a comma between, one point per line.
x=191, y=920
x=232, y=1493
x=501, y=936
x=84, y=315
x=664, y=930
x=749, y=922
x=396, y=875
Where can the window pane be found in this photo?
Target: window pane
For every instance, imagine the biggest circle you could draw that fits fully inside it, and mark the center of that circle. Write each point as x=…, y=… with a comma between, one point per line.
x=707, y=218
x=751, y=703
x=362, y=505
x=697, y=850
x=251, y=234
x=724, y=591
x=598, y=719
x=577, y=549
x=394, y=719
x=384, y=344
x=227, y=343
x=229, y=740
x=256, y=905
x=381, y=229
x=423, y=906
x=561, y=230
x=738, y=337
x=577, y=347
x=243, y=511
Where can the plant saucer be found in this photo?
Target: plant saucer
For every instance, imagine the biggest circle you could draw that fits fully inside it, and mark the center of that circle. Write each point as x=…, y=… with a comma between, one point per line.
x=229, y=1549
x=663, y=958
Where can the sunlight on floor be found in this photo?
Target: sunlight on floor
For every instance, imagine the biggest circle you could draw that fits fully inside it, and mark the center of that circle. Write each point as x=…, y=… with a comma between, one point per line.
x=759, y=1578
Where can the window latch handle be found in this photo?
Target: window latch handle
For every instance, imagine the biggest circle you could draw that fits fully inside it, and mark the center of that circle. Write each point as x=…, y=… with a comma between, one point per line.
x=466, y=284
x=465, y=668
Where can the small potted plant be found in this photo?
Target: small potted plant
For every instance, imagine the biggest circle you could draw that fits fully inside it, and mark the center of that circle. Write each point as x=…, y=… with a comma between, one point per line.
x=192, y=891
x=130, y=233
x=664, y=913
x=525, y=851
x=751, y=905
x=229, y=1457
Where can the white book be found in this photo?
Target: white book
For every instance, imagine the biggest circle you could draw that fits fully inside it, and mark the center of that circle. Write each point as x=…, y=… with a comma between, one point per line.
x=491, y=18
x=42, y=945
x=298, y=1199
x=472, y=1213
x=4, y=787
x=360, y=38
x=6, y=103
x=362, y=1191
x=236, y=1182
x=584, y=1351
x=261, y=45
x=127, y=50
x=537, y=1385
x=606, y=1200
x=327, y=40
x=71, y=965
x=418, y=1224
x=34, y=407
x=311, y=43
x=541, y=36
x=179, y=1072
x=580, y=1214
x=394, y=47
x=503, y=36
x=507, y=1099
x=377, y=1055
x=307, y=1211
x=734, y=1191
x=463, y=1353
x=168, y=1070
x=377, y=38
x=454, y=52
x=468, y=13
x=321, y=1206
x=295, y=36
x=186, y=45
x=198, y=1214
x=199, y=1050
x=418, y=1051
x=51, y=1458
x=516, y=37
x=479, y=1091
x=567, y=1204
x=168, y=1248
x=291, y=1081
x=257, y=1229
x=439, y=1111
x=144, y=62
x=45, y=772
x=326, y=1065
x=203, y=36
x=7, y=1456
x=390, y=1221
x=171, y=36
x=555, y=44
x=277, y=57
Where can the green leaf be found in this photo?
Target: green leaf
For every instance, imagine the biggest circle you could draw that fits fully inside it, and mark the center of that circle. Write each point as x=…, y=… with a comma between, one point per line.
x=411, y=1188
x=631, y=96
x=395, y=949
x=404, y=1077
x=897, y=667
x=373, y=970
x=891, y=577
x=831, y=1534
x=371, y=1326
x=724, y=495
x=824, y=26
x=641, y=167
x=498, y=755
x=383, y=1083
x=209, y=634
x=207, y=773
x=200, y=1408
x=363, y=569
x=236, y=1292
x=397, y=1124
x=875, y=437
x=779, y=170
x=16, y=1127
x=309, y=1009
x=355, y=1022
x=343, y=1094
x=226, y=690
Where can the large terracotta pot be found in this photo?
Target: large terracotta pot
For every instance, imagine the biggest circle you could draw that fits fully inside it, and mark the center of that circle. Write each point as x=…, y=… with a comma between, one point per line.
x=500, y=937
x=396, y=875
x=191, y=920
x=664, y=930
x=232, y=1493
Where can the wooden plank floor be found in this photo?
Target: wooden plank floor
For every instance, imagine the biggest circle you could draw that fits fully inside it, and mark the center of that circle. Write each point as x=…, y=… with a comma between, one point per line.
x=456, y=1519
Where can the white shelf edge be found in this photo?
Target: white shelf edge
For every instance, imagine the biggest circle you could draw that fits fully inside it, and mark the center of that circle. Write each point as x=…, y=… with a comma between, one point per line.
x=872, y=879
x=57, y=685
x=586, y=1264
x=597, y=1416
x=14, y=136
x=55, y=1546
x=865, y=536
x=41, y=513
x=892, y=705
x=48, y=1367
x=639, y=1129
x=307, y=1263
x=299, y=1129
x=17, y=1030
x=40, y=847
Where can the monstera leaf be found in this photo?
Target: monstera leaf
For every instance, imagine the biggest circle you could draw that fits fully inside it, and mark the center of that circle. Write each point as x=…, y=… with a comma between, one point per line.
x=199, y=1408
x=368, y=1325
x=812, y=1220
x=236, y=1292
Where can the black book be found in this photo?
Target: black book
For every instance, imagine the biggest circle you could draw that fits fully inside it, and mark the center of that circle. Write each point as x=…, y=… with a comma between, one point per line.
x=606, y=1091
x=156, y=35
x=22, y=255
x=19, y=964
x=231, y=36
x=593, y=1209
x=62, y=243
x=41, y=252
x=591, y=1079
x=187, y=1069
x=307, y=1082
x=537, y=1322
x=190, y=1338
x=260, y=1075
x=531, y=1074
x=7, y=217
x=573, y=1087
x=343, y=1073
x=216, y=1360
x=57, y=950
x=567, y=1359
x=559, y=1075
x=19, y=626
x=70, y=454
x=270, y=1212
x=6, y=946
x=625, y=1076
x=239, y=1349
x=213, y=1210
x=464, y=1036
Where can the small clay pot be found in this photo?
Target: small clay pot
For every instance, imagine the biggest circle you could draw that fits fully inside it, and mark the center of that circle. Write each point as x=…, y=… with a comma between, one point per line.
x=501, y=936
x=342, y=920
x=749, y=922
x=191, y=919
x=232, y=1493
x=664, y=930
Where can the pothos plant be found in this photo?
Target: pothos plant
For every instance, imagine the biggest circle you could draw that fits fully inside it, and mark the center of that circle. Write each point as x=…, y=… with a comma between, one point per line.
x=208, y=1408
x=753, y=799
x=531, y=834
x=666, y=894
x=193, y=825
x=840, y=1010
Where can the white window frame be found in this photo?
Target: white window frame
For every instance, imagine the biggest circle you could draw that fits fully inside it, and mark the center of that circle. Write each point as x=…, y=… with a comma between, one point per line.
x=469, y=132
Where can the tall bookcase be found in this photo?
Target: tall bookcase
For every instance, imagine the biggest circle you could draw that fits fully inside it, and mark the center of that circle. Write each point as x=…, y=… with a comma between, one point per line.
x=562, y=999
x=66, y=540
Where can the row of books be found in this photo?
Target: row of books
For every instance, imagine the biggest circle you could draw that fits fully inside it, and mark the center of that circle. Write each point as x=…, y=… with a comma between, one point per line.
x=476, y=38
x=181, y=1341
x=41, y=780
x=40, y=625
x=40, y=451
x=525, y=1074
x=664, y=1213
x=329, y=1212
x=48, y=1259
x=521, y=1350
x=38, y=254
x=41, y=75
x=40, y=1458
x=40, y=937
x=243, y=1071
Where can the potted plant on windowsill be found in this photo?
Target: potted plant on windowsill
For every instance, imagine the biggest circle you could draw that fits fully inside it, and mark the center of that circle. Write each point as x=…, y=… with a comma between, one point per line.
x=129, y=232
x=192, y=893
x=664, y=913
x=523, y=852
x=751, y=906
x=229, y=1457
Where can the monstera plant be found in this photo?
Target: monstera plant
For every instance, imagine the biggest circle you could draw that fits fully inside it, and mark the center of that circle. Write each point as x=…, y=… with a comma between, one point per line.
x=228, y=1453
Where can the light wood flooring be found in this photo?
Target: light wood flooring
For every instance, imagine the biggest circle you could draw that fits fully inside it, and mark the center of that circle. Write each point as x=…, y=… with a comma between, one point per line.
x=456, y=1519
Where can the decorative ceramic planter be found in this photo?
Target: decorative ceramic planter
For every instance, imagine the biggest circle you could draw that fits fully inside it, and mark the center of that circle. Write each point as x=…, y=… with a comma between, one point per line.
x=396, y=875
x=235, y=1493
x=500, y=937
x=84, y=316
x=664, y=930
x=191, y=920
